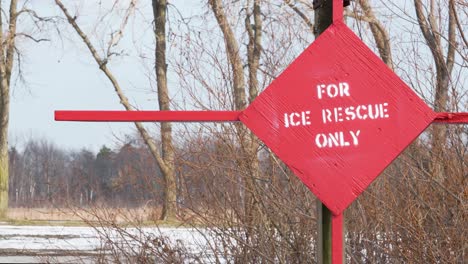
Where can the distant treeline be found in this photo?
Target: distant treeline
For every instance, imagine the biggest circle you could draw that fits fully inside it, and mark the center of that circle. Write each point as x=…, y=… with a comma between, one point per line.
x=43, y=174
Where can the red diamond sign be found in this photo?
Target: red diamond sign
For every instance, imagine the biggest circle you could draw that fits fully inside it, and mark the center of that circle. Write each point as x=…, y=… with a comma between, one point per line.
x=337, y=116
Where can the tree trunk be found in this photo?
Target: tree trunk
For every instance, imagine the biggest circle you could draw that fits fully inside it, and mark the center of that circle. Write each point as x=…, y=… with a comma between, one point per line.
x=251, y=144
x=6, y=65
x=3, y=170
x=238, y=89
x=232, y=49
x=170, y=191
x=4, y=113
x=155, y=152
x=444, y=66
x=380, y=34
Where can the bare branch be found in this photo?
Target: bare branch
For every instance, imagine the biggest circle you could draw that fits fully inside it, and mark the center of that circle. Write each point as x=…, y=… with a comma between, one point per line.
x=31, y=37
x=431, y=39
x=254, y=47
x=123, y=99
x=10, y=50
x=452, y=36
x=232, y=49
x=301, y=14
x=455, y=16
x=379, y=32
x=117, y=36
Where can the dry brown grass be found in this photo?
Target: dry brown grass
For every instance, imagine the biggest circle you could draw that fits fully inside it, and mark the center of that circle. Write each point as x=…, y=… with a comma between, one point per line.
x=117, y=215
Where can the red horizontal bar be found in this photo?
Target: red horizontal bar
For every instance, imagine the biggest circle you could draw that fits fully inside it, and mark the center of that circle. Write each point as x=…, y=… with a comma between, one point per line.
x=452, y=118
x=148, y=116
x=192, y=116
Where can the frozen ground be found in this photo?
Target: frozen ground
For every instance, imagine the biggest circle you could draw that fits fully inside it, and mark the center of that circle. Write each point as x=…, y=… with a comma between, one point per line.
x=33, y=243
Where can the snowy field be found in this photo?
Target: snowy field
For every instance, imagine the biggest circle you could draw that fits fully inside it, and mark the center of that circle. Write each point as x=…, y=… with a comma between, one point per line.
x=64, y=244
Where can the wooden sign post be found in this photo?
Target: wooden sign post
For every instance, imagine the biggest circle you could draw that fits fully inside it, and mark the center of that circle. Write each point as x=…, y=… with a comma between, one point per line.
x=337, y=119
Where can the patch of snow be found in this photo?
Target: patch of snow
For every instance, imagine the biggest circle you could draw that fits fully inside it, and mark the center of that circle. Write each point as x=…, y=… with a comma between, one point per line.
x=88, y=239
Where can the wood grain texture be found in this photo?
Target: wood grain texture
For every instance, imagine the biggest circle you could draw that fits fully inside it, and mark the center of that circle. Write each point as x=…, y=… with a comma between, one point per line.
x=337, y=175
x=148, y=116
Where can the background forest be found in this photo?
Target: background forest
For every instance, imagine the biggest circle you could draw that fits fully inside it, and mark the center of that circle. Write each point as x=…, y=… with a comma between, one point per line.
x=219, y=55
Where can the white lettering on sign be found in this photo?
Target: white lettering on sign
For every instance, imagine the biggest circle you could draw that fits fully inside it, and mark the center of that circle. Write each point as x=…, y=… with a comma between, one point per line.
x=297, y=119
x=333, y=90
x=355, y=137
x=339, y=114
x=337, y=139
x=359, y=112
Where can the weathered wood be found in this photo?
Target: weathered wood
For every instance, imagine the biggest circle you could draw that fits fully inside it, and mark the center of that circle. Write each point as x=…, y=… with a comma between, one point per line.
x=337, y=116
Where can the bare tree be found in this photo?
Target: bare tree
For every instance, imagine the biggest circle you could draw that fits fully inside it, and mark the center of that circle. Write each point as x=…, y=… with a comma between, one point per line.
x=301, y=14
x=7, y=50
x=248, y=142
x=379, y=32
x=164, y=160
x=170, y=200
x=238, y=90
x=233, y=54
x=431, y=29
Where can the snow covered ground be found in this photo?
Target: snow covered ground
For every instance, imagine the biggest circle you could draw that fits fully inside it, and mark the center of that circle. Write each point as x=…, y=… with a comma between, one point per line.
x=23, y=243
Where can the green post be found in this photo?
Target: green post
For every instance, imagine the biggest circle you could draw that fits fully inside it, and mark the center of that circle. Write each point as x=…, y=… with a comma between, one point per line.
x=324, y=239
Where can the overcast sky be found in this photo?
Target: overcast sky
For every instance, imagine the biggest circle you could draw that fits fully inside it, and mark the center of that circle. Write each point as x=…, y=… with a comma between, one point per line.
x=61, y=75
